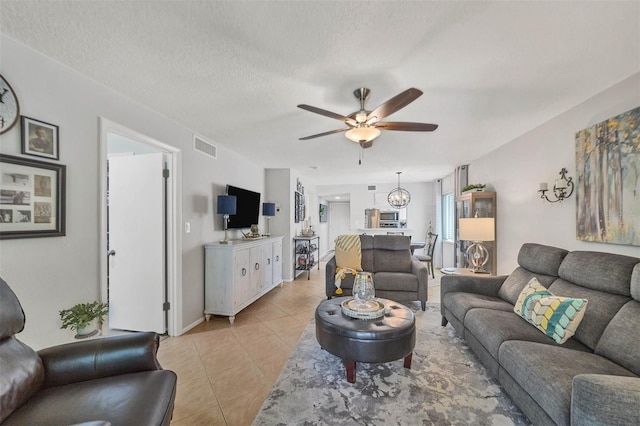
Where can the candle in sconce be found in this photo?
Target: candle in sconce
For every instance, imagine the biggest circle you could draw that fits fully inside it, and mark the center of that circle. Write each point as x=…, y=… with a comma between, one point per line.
x=560, y=184
x=543, y=186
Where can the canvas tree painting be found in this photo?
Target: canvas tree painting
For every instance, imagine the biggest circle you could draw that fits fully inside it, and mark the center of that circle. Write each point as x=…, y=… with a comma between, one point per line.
x=608, y=187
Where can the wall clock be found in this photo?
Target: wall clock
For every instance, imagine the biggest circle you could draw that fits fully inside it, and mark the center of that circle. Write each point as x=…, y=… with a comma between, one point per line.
x=9, y=107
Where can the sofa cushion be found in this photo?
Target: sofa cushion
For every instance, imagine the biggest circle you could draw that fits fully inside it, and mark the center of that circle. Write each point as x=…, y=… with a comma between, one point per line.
x=545, y=260
x=599, y=271
x=546, y=372
x=126, y=399
x=515, y=282
x=396, y=281
x=635, y=283
x=366, y=244
x=555, y=316
x=602, y=307
x=459, y=303
x=620, y=341
x=492, y=328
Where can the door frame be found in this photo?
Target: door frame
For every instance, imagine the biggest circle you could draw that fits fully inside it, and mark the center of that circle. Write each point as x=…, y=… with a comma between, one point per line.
x=174, y=217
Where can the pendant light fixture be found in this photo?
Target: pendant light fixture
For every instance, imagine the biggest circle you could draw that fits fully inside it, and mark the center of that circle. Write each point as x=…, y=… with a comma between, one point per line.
x=399, y=197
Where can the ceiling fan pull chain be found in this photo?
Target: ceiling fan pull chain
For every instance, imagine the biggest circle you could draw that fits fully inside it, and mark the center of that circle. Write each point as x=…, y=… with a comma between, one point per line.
x=361, y=154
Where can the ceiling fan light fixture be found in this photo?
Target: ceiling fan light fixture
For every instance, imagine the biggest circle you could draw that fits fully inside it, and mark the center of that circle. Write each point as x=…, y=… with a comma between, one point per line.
x=362, y=134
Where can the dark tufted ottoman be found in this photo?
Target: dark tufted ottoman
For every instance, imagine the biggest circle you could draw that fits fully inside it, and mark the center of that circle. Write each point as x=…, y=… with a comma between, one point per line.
x=380, y=340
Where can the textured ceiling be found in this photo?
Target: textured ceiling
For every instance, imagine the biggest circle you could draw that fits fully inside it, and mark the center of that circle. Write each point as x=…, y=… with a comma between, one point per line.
x=235, y=71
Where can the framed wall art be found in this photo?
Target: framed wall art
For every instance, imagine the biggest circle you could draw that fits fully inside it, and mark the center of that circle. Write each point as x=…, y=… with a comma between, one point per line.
x=39, y=138
x=9, y=106
x=324, y=212
x=32, y=198
x=608, y=169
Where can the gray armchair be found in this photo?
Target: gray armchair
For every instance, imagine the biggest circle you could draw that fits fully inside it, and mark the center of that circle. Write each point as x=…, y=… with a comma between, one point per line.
x=113, y=380
x=397, y=275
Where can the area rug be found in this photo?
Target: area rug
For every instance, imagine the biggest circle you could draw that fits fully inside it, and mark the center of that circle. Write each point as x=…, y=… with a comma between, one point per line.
x=446, y=385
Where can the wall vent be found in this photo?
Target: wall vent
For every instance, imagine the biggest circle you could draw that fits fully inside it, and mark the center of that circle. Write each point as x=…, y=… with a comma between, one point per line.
x=371, y=188
x=205, y=147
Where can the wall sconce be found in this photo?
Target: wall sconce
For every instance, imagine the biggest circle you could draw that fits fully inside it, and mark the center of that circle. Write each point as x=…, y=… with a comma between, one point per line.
x=562, y=189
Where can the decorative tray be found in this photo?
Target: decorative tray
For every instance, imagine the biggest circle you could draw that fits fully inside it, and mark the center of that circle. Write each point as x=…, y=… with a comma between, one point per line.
x=354, y=309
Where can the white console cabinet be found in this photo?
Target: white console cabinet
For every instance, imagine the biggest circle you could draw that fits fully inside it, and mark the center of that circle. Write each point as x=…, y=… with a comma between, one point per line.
x=239, y=273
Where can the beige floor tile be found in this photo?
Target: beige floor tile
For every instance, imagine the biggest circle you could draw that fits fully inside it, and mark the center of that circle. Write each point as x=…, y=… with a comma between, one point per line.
x=249, y=332
x=242, y=410
x=271, y=366
x=236, y=382
x=193, y=396
x=205, y=416
x=266, y=346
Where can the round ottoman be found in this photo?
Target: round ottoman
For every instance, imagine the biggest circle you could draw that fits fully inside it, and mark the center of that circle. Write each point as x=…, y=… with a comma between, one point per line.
x=385, y=339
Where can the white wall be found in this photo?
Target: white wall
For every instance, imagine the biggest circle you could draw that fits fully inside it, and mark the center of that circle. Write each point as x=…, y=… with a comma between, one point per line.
x=516, y=170
x=50, y=274
x=420, y=211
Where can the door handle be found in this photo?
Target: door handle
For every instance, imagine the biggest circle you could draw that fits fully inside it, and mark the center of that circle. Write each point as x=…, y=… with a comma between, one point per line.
x=111, y=253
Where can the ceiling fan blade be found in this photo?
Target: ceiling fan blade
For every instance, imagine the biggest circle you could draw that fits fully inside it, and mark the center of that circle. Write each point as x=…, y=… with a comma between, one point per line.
x=330, y=132
x=406, y=126
x=329, y=114
x=395, y=103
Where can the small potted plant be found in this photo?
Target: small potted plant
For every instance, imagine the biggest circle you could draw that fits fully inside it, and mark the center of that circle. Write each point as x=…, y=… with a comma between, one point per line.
x=474, y=187
x=82, y=318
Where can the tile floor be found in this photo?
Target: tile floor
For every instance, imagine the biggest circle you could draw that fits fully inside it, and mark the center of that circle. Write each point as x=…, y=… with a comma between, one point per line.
x=225, y=371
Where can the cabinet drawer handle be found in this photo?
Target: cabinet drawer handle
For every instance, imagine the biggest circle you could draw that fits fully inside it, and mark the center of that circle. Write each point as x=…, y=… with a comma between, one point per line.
x=256, y=266
x=277, y=258
x=244, y=272
x=269, y=261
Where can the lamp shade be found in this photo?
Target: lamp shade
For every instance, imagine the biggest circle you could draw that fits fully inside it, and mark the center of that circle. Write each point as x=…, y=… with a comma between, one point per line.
x=362, y=134
x=477, y=229
x=227, y=204
x=268, y=209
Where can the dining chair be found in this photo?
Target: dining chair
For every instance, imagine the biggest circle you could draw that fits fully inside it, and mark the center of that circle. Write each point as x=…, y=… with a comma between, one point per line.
x=428, y=256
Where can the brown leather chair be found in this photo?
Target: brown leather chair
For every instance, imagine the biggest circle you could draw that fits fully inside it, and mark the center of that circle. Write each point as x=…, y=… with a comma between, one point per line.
x=112, y=380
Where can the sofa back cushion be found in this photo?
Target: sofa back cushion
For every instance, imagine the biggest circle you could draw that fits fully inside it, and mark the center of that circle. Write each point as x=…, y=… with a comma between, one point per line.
x=391, y=253
x=620, y=342
x=545, y=260
x=517, y=280
x=602, y=307
x=635, y=283
x=599, y=271
x=366, y=244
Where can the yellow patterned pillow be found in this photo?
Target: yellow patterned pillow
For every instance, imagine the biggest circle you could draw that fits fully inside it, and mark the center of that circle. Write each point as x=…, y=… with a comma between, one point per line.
x=557, y=317
x=348, y=252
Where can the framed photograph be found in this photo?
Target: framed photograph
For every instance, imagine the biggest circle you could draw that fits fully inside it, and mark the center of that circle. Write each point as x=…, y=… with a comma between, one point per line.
x=39, y=138
x=324, y=212
x=32, y=198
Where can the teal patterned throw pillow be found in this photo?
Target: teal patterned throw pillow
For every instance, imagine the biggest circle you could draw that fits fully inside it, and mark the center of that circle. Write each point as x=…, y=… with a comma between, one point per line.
x=557, y=317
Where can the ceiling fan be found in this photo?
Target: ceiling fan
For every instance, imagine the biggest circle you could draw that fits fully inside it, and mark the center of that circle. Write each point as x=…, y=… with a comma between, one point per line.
x=364, y=126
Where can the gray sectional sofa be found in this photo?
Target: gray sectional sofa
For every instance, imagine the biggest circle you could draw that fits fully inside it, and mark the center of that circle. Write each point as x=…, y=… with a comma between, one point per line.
x=397, y=275
x=591, y=379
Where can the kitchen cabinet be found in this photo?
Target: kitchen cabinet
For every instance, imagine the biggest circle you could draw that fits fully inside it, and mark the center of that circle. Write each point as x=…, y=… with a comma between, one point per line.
x=239, y=273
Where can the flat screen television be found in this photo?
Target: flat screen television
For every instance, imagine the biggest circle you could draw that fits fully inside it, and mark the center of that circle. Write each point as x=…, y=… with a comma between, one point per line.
x=247, y=208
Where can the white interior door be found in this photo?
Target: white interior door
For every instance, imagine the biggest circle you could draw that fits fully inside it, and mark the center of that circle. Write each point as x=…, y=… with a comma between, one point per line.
x=339, y=218
x=136, y=236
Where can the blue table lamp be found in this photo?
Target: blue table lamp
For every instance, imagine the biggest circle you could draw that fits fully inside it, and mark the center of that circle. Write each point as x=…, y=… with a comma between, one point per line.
x=268, y=210
x=226, y=206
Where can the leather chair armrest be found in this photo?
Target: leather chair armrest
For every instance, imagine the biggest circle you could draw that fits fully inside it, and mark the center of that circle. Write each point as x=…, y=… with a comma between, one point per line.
x=98, y=358
x=330, y=276
x=598, y=399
